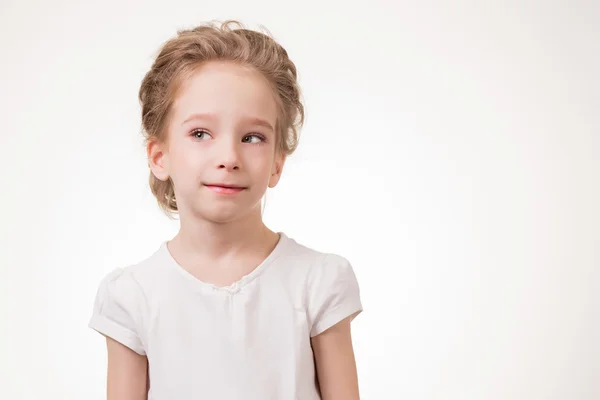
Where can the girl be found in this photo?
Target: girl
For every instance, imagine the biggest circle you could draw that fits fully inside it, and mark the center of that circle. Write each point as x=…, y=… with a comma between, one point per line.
x=227, y=309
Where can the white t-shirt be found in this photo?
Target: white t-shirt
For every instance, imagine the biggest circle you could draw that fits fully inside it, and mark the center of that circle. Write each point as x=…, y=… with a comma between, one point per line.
x=249, y=340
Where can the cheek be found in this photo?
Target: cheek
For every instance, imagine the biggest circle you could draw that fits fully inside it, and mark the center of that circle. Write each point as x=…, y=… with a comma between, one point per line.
x=260, y=160
x=186, y=153
x=186, y=161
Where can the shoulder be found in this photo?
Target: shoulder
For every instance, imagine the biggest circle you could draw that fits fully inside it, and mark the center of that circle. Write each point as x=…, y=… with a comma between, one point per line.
x=318, y=272
x=122, y=302
x=331, y=290
x=313, y=261
x=133, y=280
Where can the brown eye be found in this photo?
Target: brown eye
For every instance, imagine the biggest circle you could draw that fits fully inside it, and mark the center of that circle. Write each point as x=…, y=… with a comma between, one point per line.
x=254, y=138
x=200, y=134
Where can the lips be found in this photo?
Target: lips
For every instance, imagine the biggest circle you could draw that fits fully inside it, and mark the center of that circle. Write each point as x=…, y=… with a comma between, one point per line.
x=224, y=185
x=224, y=188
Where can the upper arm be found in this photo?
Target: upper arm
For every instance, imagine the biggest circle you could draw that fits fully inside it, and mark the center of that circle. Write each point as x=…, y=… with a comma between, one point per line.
x=118, y=315
x=127, y=377
x=118, y=310
x=335, y=362
x=333, y=294
x=333, y=302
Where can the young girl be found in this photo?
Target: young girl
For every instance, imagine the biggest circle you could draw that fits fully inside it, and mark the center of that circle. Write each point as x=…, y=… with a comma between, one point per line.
x=227, y=309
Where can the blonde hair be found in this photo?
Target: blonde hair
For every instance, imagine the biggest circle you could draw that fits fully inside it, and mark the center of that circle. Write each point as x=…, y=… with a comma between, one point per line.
x=180, y=56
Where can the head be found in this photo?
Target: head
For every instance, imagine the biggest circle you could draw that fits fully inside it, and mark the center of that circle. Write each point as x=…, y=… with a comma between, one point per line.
x=221, y=112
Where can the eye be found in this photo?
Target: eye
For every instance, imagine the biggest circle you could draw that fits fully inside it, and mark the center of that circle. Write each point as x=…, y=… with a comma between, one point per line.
x=200, y=134
x=253, y=138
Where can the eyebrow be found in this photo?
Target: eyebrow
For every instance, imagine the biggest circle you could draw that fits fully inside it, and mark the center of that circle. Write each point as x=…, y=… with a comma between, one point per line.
x=211, y=116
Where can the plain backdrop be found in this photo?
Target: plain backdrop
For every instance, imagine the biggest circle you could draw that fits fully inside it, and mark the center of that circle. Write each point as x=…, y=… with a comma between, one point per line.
x=451, y=152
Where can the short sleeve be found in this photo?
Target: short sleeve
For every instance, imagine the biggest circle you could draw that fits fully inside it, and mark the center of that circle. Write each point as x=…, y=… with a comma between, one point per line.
x=117, y=310
x=333, y=293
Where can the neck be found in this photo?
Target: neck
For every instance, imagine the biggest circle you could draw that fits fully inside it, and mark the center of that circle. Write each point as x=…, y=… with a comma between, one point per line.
x=207, y=239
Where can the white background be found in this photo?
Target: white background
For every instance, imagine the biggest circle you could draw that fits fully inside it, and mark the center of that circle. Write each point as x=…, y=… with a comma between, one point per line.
x=451, y=153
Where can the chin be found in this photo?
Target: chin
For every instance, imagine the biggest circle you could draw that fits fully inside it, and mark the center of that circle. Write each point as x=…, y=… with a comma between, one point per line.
x=222, y=215
x=223, y=218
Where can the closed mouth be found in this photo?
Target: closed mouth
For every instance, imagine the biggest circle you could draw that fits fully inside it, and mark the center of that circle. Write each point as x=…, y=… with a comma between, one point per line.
x=222, y=185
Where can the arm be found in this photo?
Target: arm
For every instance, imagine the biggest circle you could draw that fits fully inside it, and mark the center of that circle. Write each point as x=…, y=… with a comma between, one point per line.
x=127, y=373
x=336, y=366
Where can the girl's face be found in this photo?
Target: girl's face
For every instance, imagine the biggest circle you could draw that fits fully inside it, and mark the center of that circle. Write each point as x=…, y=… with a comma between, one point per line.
x=220, y=151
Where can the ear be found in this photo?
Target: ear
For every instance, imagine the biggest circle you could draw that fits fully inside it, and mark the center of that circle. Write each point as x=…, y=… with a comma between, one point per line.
x=158, y=159
x=277, y=169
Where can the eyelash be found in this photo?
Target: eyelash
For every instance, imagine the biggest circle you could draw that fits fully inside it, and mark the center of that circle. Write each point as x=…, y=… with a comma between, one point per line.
x=258, y=135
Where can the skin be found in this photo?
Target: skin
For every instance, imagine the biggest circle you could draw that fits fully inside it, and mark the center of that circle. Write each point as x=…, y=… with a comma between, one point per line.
x=221, y=130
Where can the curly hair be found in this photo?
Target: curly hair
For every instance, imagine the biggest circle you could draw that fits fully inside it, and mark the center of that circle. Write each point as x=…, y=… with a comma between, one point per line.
x=180, y=56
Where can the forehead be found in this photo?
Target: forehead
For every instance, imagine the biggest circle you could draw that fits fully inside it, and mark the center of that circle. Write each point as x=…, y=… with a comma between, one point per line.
x=227, y=90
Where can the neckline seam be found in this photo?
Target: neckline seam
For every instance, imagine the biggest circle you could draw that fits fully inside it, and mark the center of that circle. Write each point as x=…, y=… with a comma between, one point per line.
x=236, y=286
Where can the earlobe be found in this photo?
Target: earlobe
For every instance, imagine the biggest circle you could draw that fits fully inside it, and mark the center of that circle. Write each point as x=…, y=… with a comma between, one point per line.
x=276, y=173
x=157, y=159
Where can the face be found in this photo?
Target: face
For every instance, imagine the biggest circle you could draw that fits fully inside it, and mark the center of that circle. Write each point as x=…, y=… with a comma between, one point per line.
x=220, y=150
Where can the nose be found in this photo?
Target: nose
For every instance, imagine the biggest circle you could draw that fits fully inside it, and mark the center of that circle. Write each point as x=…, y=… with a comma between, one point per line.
x=228, y=155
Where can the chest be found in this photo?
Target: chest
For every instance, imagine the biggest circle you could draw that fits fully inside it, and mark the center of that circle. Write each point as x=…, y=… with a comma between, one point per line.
x=252, y=340
x=257, y=321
